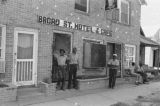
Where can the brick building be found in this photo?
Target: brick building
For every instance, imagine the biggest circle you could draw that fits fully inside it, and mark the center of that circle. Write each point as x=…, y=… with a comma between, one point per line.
x=30, y=30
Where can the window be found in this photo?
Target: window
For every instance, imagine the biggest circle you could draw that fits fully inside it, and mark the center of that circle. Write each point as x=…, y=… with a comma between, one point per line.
x=130, y=51
x=82, y=5
x=94, y=54
x=110, y=4
x=2, y=41
x=124, y=6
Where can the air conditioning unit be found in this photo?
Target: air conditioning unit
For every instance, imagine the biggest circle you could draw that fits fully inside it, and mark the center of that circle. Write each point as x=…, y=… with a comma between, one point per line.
x=2, y=66
x=115, y=14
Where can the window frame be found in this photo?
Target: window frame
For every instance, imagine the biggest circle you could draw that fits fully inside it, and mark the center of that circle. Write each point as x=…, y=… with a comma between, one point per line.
x=92, y=41
x=83, y=12
x=120, y=10
x=3, y=42
x=133, y=56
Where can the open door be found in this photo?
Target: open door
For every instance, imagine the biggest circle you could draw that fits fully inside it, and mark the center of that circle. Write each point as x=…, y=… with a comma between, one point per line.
x=117, y=49
x=62, y=41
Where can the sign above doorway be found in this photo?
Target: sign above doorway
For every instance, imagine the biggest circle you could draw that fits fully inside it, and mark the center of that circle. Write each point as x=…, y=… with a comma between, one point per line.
x=73, y=25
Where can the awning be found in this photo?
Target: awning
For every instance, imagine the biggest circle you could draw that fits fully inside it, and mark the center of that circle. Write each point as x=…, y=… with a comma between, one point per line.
x=148, y=42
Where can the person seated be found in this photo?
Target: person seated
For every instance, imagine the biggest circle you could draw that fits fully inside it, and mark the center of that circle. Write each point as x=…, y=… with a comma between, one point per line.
x=132, y=72
x=140, y=70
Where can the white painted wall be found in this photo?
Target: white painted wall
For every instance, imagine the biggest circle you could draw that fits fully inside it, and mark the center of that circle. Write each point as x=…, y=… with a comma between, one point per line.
x=149, y=56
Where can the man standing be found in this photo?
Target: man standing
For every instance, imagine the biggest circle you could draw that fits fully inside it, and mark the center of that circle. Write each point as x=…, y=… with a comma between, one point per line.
x=113, y=65
x=74, y=64
x=61, y=59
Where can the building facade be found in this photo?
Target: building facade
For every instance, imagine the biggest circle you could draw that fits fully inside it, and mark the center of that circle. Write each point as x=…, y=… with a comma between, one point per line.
x=32, y=30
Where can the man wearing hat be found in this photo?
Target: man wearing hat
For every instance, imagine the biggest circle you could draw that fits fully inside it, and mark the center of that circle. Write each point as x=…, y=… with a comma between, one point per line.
x=62, y=60
x=74, y=65
x=113, y=65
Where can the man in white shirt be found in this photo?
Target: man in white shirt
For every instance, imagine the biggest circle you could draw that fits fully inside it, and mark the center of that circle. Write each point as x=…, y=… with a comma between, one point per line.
x=113, y=65
x=73, y=64
x=61, y=59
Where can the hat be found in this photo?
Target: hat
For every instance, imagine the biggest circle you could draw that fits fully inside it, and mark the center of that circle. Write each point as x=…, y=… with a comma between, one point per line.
x=115, y=55
x=62, y=50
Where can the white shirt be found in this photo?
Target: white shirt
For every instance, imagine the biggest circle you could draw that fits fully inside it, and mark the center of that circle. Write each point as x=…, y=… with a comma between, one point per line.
x=113, y=62
x=61, y=59
x=73, y=58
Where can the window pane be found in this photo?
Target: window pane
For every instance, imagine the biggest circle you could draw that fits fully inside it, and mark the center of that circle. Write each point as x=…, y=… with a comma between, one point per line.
x=94, y=55
x=129, y=55
x=81, y=5
x=25, y=46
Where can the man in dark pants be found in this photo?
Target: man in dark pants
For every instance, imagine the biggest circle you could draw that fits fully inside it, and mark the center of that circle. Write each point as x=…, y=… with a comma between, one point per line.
x=74, y=64
x=140, y=71
x=113, y=65
x=61, y=59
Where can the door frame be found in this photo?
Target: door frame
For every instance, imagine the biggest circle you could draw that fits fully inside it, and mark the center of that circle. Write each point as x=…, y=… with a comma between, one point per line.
x=70, y=34
x=121, y=44
x=35, y=54
x=67, y=33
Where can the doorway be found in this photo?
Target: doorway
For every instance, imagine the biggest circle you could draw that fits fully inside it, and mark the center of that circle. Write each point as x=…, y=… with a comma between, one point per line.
x=25, y=56
x=115, y=48
x=61, y=40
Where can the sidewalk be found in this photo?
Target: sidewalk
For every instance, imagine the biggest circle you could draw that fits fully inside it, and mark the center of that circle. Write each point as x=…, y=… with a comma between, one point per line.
x=98, y=97
x=106, y=98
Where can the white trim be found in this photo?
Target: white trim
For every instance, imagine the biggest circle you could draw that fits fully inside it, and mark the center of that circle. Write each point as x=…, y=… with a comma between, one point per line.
x=3, y=42
x=35, y=55
x=87, y=6
x=67, y=33
x=95, y=40
x=134, y=55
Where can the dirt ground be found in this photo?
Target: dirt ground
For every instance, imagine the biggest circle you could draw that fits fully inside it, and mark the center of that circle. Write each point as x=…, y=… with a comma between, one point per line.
x=152, y=99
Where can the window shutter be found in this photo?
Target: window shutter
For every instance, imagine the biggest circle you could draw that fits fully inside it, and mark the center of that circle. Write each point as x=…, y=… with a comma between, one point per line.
x=115, y=15
x=124, y=13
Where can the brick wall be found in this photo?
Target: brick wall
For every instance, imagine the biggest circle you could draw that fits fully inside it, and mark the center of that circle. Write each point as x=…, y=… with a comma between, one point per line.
x=23, y=13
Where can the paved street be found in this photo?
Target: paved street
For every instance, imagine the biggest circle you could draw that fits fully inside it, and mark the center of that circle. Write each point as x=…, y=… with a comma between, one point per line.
x=107, y=98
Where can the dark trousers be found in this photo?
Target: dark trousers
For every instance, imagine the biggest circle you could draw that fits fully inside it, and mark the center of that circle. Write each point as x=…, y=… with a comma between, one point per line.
x=112, y=77
x=144, y=76
x=72, y=76
x=61, y=77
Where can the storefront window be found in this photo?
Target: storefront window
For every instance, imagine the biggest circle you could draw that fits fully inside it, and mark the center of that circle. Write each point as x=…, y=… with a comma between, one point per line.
x=130, y=51
x=94, y=54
